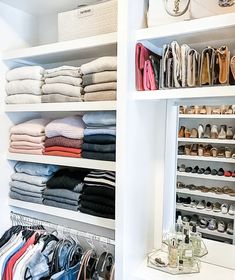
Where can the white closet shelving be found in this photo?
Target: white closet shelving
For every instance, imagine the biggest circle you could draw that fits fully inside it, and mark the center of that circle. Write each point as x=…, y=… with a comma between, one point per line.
x=204, y=116
x=202, y=158
x=206, y=177
x=208, y=141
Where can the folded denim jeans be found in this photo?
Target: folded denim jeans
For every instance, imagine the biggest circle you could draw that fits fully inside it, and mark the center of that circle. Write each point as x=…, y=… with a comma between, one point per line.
x=26, y=193
x=62, y=193
x=103, y=148
x=100, y=139
x=61, y=200
x=27, y=187
x=99, y=155
x=53, y=203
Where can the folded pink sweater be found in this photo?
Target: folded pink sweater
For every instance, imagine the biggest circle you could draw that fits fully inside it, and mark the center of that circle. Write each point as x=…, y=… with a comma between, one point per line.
x=35, y=127
x=28, y=138
x=23, y=151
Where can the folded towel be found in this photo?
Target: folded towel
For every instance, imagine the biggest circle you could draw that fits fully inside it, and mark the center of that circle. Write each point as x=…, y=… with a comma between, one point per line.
x=104, y=148
x=22, y=192
x=25, y=144
x=97, y=78
x=106, y=63
x=71, y=127
x=61, y=200
x=64, y=142
x=35, y=127
x=60, y=205
x=101, y=87
x=25, y=73
x=23, y=151
x=60, y=68
x=95, y=213
x=36, y=169
x=99, y=156
x=63, y=89
x=100, y=119
x=23, y=99
x=64, y=80
x=71, y=73
x=100, y=96
x=62, y=154
x=28, y=138
x=62, y=193
x=55, y=98
x=100, y=139
x=63, y=149
x=27, y=198
x=27, y=187
x=30, y=179
x=102, y=130
x=24, y=87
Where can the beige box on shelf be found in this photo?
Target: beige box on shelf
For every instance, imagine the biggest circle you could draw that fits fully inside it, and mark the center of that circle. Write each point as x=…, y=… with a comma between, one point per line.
x=88, y=21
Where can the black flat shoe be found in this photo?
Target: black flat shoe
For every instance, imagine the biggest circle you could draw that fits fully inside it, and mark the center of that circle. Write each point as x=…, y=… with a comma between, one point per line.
x=188, y=169
x=207, y=171
x=201, y=171
x=221, y=172
x=214, y=172
x=195, y=169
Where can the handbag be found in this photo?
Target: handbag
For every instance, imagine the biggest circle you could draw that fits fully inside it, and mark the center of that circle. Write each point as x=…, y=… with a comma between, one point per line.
x=141, y=56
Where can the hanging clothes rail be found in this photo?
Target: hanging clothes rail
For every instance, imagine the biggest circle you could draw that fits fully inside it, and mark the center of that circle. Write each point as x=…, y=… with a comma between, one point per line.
x=19, y=219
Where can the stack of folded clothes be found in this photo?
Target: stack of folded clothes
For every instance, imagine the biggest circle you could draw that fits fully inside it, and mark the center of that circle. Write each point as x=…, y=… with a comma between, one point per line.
x=62, y=84
x=98, y=197
x=64, y=188
x=100, y=79
x=24, y=85
x=29, y=181
x=99, y=136
x=64, y=137
x=28, y=137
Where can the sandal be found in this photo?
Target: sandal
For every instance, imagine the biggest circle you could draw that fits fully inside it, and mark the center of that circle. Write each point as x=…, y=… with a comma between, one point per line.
x=181, y=132
x=191, y=110
x=200, y=151
x=187, y=150
x=194, y=150
x=221, y=152
x=208, y=110
x=214, y=152
x=187, y=133
x=216, y=111
x=194, y=133
x=203, y=110
x=207, y=151
x=228, y=153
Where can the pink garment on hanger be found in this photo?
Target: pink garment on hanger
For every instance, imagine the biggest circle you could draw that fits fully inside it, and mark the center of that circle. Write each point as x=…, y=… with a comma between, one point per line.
x=141, y=55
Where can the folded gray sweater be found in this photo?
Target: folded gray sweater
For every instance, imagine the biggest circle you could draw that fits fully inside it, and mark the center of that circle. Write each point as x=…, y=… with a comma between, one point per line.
x=56, y=98
x=101, y=87
x=63, y=89
x=97, y=78
x=100, y=96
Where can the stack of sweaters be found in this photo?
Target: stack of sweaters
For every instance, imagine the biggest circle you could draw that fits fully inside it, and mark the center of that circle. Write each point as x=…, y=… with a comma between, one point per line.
x=64, y=189
x=100, y=79
x=29, y=181
x=24, y=85
x=99, y=136
x=28, y=137
x=62, y=84
x=64, y=137
x=98, y=197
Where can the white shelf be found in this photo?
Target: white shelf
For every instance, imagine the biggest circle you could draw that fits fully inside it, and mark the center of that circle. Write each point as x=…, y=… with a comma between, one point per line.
x=199, y=30
x=211, y=159
x=90, y=47
x=63, y=107
x=202, y=116
x=64, y=213
x=206, y=194
x=209, y=141
x=215, y=233
x=206, y=177
x=204, y=212
x=64, y=161
x=186, y=93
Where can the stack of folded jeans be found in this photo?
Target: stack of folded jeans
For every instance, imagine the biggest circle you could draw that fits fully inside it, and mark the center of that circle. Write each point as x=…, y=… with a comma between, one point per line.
x=100, y=79
x=24, y=85
x=62, y=84
x=98, y=198
x=64, y=188
x=100, y=136
x=64, y=137
x=28, y=137
x=29, y=181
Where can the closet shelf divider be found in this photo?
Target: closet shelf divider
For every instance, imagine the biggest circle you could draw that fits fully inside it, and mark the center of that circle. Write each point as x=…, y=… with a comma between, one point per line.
x=215, y=233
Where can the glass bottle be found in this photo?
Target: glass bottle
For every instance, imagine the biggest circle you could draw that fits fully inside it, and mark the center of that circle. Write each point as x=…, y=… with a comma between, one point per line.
x=173, y=253
x=187, y=253
x=196, y=240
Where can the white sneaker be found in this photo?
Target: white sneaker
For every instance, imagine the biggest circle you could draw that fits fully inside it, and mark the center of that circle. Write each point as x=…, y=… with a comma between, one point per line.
x=231, y=209
x=224, y=208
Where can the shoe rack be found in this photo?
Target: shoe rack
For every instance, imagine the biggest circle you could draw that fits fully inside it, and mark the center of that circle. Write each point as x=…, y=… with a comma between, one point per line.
x=210, y=152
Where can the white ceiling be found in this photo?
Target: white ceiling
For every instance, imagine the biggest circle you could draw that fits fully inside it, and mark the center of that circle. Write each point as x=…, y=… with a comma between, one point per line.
x=42, y=7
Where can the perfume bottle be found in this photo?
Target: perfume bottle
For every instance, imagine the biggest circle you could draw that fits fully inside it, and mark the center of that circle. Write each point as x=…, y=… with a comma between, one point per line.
x=196, y=239
x=179, y=230
x=187, y=253
x=173, y=253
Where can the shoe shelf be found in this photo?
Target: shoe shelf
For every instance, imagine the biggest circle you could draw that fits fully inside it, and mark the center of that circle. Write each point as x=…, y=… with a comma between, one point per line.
x=205, y=177
x=204, y=212
x=209, y=141
x=206, y=194
x=186, y=93
x=212, y=159
x=90, y=47
x=63, y=213
x=63, y=107
x=215, y=233
x=64, y=161
x=202, y=116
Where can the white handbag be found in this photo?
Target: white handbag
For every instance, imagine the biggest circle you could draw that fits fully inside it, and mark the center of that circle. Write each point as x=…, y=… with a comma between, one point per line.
x=167, y=11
